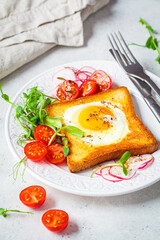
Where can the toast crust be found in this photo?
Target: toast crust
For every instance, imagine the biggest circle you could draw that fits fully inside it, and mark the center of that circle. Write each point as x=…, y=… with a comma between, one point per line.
x=84, y=155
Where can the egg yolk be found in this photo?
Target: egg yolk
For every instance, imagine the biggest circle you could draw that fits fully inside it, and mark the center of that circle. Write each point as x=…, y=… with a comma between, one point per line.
x=93, y=118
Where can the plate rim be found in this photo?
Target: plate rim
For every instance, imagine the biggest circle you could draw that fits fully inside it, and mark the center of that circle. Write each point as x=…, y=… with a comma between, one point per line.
x=54, y=185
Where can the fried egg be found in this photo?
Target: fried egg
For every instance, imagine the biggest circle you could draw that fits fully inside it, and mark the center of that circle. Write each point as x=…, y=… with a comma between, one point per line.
x=101, y=122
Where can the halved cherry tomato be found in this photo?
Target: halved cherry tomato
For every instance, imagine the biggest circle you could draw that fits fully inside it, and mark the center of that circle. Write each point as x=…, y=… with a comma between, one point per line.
x=55, y=153
x=43, y=133
x=55, y=220
x=35, y=151
x=102, y=79
x=88, y=88
x=67, y=90
x=33, y=196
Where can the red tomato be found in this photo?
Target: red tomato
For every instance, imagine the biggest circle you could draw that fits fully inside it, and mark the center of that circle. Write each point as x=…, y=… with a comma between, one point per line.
x=102, y=79
x=55, y=220
x=88, y=88
x=35, y=151
x=33, y=196
x=55, y=153
x=43, y=133
x=67, y=90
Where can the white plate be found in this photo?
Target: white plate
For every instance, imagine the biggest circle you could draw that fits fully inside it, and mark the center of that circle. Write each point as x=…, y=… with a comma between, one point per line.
x=59, y=177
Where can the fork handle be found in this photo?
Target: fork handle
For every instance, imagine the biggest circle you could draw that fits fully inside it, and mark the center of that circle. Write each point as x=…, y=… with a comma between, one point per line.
x=153, y=105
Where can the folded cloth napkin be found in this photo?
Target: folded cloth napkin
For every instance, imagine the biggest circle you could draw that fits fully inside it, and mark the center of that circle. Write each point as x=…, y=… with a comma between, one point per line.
x=30, y=28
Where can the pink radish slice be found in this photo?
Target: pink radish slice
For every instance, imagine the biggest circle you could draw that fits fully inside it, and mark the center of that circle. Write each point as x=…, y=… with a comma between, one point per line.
x=98, y=173
x=99, y=170
x=105, y=174
x=65, y=73
x=87, y=69
x=117, y=172
x=81, y=76
x=139, y=162
x=143, y=166
x=146, y=164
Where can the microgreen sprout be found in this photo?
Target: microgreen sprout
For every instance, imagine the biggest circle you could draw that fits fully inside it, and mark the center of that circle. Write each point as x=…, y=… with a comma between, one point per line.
x=16, y=167
x=151, y=42
x=120, y=163
x=3, y=212
x=32, y=113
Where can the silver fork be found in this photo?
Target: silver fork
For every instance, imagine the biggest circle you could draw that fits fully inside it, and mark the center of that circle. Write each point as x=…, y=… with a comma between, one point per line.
x=128, y=62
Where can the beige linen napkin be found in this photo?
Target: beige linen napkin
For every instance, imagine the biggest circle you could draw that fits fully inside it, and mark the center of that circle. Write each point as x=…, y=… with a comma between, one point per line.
x=30, y=28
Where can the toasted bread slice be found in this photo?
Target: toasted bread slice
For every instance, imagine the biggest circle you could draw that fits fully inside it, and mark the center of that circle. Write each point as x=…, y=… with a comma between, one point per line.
x=137, y=140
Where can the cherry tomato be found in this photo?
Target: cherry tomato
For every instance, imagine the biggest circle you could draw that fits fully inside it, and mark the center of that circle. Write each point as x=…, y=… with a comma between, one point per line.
x=43, y=133
x=102, y=79
x=88, y=88
x=35, y=151
x=55, y=153
x=55, y=220
x=33, y=196
x=67, y=90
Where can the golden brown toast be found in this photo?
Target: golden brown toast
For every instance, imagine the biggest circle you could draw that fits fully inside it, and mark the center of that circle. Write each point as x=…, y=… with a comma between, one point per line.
x=138, y=139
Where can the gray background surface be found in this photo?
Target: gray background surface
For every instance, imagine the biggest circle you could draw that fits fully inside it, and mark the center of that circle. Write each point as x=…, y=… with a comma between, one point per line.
x=132, y=216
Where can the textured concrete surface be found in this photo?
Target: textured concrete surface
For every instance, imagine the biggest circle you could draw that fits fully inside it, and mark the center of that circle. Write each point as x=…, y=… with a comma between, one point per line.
x=132, y=216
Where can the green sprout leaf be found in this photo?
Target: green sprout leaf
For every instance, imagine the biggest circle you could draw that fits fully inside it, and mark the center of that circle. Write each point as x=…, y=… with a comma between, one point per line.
x=158, y=59
x=47, y=102
x=142, y=21
x=5, y=97
x=65, y=150
x=3, y=212
x=120, y=163
x=148, y=42
x=124, y=157
x=74, y=131
x=19, y=111
x=65, y=147
x=53, y=122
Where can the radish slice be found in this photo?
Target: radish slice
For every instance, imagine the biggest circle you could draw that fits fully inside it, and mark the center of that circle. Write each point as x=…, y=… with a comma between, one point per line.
x=98, y=171
x=117, y=172
x=139, y=162
x=105, y=174
x=81, y=76
x=87, y=69
x=67, y=74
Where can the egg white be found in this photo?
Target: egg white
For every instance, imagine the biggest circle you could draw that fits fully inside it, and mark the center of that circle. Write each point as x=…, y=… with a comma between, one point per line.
x=114, y=134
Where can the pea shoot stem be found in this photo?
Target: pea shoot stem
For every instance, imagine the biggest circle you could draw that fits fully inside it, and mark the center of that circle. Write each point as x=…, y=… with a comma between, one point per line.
x=3, y=211
x=55, y=135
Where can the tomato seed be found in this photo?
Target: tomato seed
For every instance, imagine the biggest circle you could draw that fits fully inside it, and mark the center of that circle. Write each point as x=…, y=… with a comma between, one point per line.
x=48, y=220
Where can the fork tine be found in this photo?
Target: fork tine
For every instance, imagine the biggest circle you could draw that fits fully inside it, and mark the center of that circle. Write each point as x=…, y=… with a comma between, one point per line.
x=116, y=54
x=127, y=47
x=124, y=51
x=119, y=51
